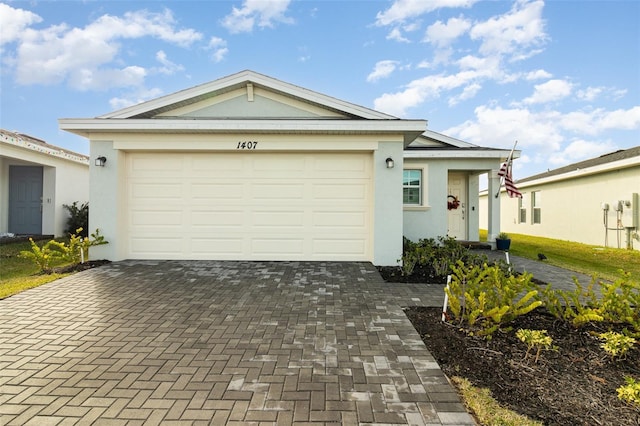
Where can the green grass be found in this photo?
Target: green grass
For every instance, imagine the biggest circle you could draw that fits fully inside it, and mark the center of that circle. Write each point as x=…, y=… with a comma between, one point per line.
x=18, y=274
x=587, y=259
x=486, y=409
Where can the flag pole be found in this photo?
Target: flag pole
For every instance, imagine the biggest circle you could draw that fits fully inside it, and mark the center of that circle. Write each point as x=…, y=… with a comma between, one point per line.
x=509, y=159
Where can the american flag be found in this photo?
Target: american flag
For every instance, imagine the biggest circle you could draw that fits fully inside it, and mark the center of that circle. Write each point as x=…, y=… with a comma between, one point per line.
x=505, y=171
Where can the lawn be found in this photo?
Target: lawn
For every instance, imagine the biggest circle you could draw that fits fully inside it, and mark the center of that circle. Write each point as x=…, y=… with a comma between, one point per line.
x=584, y=258
x=18, y=274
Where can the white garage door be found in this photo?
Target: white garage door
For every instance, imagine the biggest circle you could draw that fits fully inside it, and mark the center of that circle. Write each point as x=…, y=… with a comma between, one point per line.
x=249, y=206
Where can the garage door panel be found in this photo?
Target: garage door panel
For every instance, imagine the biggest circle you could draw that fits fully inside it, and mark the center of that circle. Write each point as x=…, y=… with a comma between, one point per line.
x=230, y=248
x=250, y=206
x=290, y=247
x=340, y=247
x=218, y=219
x=157, y=191
x=217, y=191
x=278, y=219
x=340, y=191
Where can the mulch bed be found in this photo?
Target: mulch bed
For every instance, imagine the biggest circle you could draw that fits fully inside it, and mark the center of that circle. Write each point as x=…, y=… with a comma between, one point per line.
x=81, y=266
x=573, y=385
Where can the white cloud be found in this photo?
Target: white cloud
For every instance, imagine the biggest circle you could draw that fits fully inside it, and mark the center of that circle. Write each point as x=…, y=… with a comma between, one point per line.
x=467, y=93
x=168, y=67
x=442, y=34
x=421, y=90
x=396, y=34
x=552, y=90
x=521, y=28
x=537, y=75
x=219, y=48
x=139, y=96
x=401, y=10
x=13, y=22
x=256, y=12
x=81, y=56
x=383, y=69
x=579, y=150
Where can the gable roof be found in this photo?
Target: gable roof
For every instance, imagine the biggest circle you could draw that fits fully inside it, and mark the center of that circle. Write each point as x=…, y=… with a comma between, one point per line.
x=436, y=145
x=167, y=113
x=606, y=162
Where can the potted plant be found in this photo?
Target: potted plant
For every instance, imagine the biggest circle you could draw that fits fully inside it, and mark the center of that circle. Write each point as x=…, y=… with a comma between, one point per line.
x=503, y=242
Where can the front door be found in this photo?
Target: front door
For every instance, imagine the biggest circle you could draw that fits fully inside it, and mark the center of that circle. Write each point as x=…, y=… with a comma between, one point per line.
x=456, y=206
x=25, y=200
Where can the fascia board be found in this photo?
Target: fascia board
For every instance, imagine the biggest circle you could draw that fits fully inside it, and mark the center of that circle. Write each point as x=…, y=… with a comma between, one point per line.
x=430, y=134
x=602, y=168
x=242, y=78
x=85, y=126
x=499, y=155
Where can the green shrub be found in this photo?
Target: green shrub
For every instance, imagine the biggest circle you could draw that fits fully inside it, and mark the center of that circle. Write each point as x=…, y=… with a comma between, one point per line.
x=616, y=344
x=617, y=302
x=78, y=218
x=484, y=298
x=630, y=392
x=44, y=256
x=534, y=339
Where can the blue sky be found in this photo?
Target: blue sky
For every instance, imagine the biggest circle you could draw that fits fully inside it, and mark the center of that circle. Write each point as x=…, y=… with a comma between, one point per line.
x=560, y=77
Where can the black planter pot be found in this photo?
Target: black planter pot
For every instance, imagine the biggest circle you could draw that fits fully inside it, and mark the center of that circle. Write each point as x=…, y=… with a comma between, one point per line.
x=503, y=244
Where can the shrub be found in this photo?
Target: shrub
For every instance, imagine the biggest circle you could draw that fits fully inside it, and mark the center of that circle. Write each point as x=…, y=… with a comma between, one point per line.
x=54, y=250
x=534, y=338
x=630, y=392
x=616, y=344
x=44, y=256
x=78, y=218
x=484, y=298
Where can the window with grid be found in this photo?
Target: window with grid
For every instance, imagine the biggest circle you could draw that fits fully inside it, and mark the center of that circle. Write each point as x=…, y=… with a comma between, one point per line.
x=522, y=209
x=536, y=206
x=412, y=187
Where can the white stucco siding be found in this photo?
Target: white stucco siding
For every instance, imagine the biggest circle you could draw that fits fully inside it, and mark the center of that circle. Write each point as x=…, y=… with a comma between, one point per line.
x=571, y=209
x=430, y=219
x=64, y=181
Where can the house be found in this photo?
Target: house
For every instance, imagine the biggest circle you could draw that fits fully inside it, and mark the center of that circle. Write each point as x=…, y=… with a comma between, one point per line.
x=593, y=202
x=36, y=180
x=248, y=167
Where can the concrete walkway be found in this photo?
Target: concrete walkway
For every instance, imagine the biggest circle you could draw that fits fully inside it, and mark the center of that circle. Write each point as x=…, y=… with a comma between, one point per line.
x=250, y=343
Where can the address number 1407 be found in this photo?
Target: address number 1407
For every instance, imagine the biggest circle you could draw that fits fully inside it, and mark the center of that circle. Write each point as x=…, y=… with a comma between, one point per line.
x=247, y=145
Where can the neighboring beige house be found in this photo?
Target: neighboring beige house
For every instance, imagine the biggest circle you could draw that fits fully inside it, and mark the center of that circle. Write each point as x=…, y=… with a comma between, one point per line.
x=593, y=202
x=248, y=167
x=36, y=180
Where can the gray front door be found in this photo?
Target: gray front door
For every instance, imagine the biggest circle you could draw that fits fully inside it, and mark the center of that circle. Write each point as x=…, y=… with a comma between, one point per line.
x=25, y=199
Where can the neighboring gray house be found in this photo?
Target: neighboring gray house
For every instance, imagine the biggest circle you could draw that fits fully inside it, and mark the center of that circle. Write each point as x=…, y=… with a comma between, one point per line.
x=36, y=180
x=249, y=167
x=593, y=202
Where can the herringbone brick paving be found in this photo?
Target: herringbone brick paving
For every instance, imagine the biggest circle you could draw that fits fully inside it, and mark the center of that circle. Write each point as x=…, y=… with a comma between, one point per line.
x=206, y=342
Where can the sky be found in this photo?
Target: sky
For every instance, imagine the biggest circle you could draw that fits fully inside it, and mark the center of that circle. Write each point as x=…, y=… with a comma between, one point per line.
x=562, y=78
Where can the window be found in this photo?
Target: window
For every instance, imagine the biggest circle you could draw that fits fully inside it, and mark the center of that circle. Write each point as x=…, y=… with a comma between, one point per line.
x=536, y=204
x=522, y=208
x=412, y=187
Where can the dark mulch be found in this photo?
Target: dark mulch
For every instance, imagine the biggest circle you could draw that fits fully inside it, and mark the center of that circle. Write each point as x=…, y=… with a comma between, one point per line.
x=82, y=266
x=574, y=385
x=420, y=274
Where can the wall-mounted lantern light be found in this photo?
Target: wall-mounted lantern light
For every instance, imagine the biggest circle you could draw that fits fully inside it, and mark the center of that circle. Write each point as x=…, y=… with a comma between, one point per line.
x=389, y=163
x=100, y=161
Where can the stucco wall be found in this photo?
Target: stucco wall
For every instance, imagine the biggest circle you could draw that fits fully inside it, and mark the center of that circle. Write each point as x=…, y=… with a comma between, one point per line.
x=64, y=181
x=430, y=219
x=571, y=209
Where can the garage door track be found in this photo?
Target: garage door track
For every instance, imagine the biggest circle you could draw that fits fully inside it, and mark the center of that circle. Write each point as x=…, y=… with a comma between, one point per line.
x=205, y=342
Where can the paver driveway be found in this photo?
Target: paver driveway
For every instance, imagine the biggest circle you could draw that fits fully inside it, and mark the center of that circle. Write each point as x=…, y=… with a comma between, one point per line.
x=206, y=342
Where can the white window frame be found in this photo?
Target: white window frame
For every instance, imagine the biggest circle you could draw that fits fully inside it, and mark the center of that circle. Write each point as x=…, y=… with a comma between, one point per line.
x=420, y=187
x=536, y=207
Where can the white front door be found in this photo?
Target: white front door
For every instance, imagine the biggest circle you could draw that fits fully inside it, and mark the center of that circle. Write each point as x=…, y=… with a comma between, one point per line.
x=456, y=217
